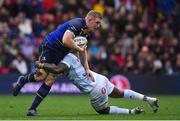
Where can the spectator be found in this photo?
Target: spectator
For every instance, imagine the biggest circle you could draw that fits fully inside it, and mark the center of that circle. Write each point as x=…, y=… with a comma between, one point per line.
x=137, y=36
x=177, y=65
x=168, y=68
x=3, y=70
x=26, y=44
x=24, y=25
x=37, y=25
x=19, y=65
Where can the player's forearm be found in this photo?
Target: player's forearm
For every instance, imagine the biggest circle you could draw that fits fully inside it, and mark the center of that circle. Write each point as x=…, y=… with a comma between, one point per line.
x=83, y=58
x=71, y=44
x=52, y=68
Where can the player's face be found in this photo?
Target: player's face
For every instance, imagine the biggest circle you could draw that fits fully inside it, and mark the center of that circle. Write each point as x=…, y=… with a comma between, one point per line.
x=93, y=23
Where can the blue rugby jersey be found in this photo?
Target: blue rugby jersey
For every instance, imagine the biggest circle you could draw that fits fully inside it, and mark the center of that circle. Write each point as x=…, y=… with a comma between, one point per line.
x=77, y=26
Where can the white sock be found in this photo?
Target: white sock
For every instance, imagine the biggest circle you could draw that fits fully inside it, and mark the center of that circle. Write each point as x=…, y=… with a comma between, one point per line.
x=117, y=110
x=133, y=95
x=150, y=98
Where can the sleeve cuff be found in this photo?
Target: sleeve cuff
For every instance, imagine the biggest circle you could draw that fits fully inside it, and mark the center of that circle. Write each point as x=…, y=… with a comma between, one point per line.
x=66, y=63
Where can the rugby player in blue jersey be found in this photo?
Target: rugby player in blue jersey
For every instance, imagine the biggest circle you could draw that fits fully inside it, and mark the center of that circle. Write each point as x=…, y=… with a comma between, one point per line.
x=55, y=47
x=98, y=90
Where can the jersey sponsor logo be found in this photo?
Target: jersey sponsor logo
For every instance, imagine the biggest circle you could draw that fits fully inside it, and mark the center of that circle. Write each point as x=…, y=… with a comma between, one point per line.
x=43, y=59
x=121, y=82
x=103, y=90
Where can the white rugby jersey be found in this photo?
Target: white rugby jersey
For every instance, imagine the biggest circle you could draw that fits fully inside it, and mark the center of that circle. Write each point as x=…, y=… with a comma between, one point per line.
x=77, y=74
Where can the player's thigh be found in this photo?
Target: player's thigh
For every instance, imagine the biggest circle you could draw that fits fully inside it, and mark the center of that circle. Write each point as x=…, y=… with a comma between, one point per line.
x=50, y=79
x=110, y=87
x=50, y=54
x=99, y=97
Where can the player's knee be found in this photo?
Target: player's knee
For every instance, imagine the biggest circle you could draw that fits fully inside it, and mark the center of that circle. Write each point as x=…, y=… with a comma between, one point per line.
x=50, y=79
x=40, y=75
x=104, y=111
x=39, y=78
x=116, y=93
x=49, y=83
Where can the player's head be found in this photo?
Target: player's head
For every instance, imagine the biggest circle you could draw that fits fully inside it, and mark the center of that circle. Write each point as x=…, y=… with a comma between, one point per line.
x=93, y=20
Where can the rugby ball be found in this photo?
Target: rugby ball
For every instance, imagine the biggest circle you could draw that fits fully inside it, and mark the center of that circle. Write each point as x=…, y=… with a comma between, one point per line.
x=80, y=40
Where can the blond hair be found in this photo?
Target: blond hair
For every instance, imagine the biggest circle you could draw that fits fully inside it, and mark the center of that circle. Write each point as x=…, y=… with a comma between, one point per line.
x=94, y=14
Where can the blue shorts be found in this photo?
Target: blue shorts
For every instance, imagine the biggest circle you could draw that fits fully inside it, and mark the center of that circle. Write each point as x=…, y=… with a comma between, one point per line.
x=49, y=54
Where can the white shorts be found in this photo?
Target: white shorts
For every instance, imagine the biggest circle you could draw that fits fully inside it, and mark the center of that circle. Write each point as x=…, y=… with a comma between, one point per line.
x=99, y=95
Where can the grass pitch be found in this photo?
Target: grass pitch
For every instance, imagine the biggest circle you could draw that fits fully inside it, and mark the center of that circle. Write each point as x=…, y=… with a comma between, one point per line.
x=78, y=107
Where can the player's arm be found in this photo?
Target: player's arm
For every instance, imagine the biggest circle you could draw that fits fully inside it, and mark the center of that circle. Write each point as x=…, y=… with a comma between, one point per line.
x=84, y=61
x=69, y=42
x=83, y=58
x=56, y=69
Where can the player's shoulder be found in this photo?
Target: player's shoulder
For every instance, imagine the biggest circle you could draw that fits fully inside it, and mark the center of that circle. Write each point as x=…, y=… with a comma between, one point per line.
x=71, y=56
x=69, y=59
x=77, y=22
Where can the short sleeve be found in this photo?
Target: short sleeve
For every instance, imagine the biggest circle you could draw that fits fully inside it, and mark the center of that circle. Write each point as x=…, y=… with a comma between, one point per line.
x=67, y=60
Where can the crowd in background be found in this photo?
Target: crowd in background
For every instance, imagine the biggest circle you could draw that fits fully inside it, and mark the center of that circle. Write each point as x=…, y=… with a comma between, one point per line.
x=136, y=36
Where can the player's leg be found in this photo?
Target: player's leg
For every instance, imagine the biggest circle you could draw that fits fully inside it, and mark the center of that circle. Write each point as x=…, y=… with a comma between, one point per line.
x=33, y=77
x=22, y=80
x=119, y=110
x=99, y=100
x=130, y=94
x=153, y=102
x=49, y=56
x=41, y=94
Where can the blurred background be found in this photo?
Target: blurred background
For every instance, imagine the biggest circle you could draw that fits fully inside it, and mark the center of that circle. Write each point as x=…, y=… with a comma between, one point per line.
x=138, y=45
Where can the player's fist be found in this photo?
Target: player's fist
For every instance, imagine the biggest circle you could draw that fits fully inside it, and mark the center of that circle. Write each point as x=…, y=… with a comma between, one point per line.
x=82, y=48
x=39, y=64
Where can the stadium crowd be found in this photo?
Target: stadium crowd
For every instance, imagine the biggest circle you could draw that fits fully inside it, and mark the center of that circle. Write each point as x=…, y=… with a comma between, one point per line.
x=136, y=36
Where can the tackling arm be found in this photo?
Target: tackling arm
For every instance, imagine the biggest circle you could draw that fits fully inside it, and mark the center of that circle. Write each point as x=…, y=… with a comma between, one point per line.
x=56, y=69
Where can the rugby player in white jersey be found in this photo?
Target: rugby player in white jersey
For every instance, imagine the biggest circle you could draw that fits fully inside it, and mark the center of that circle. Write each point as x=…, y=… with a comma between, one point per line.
x=99, y=89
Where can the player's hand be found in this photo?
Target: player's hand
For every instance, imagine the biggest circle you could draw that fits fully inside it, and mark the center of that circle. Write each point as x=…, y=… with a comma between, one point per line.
x=82, y=48
x=39, y=65
x=37, y=71
x=89, y=73
x=40, y=74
